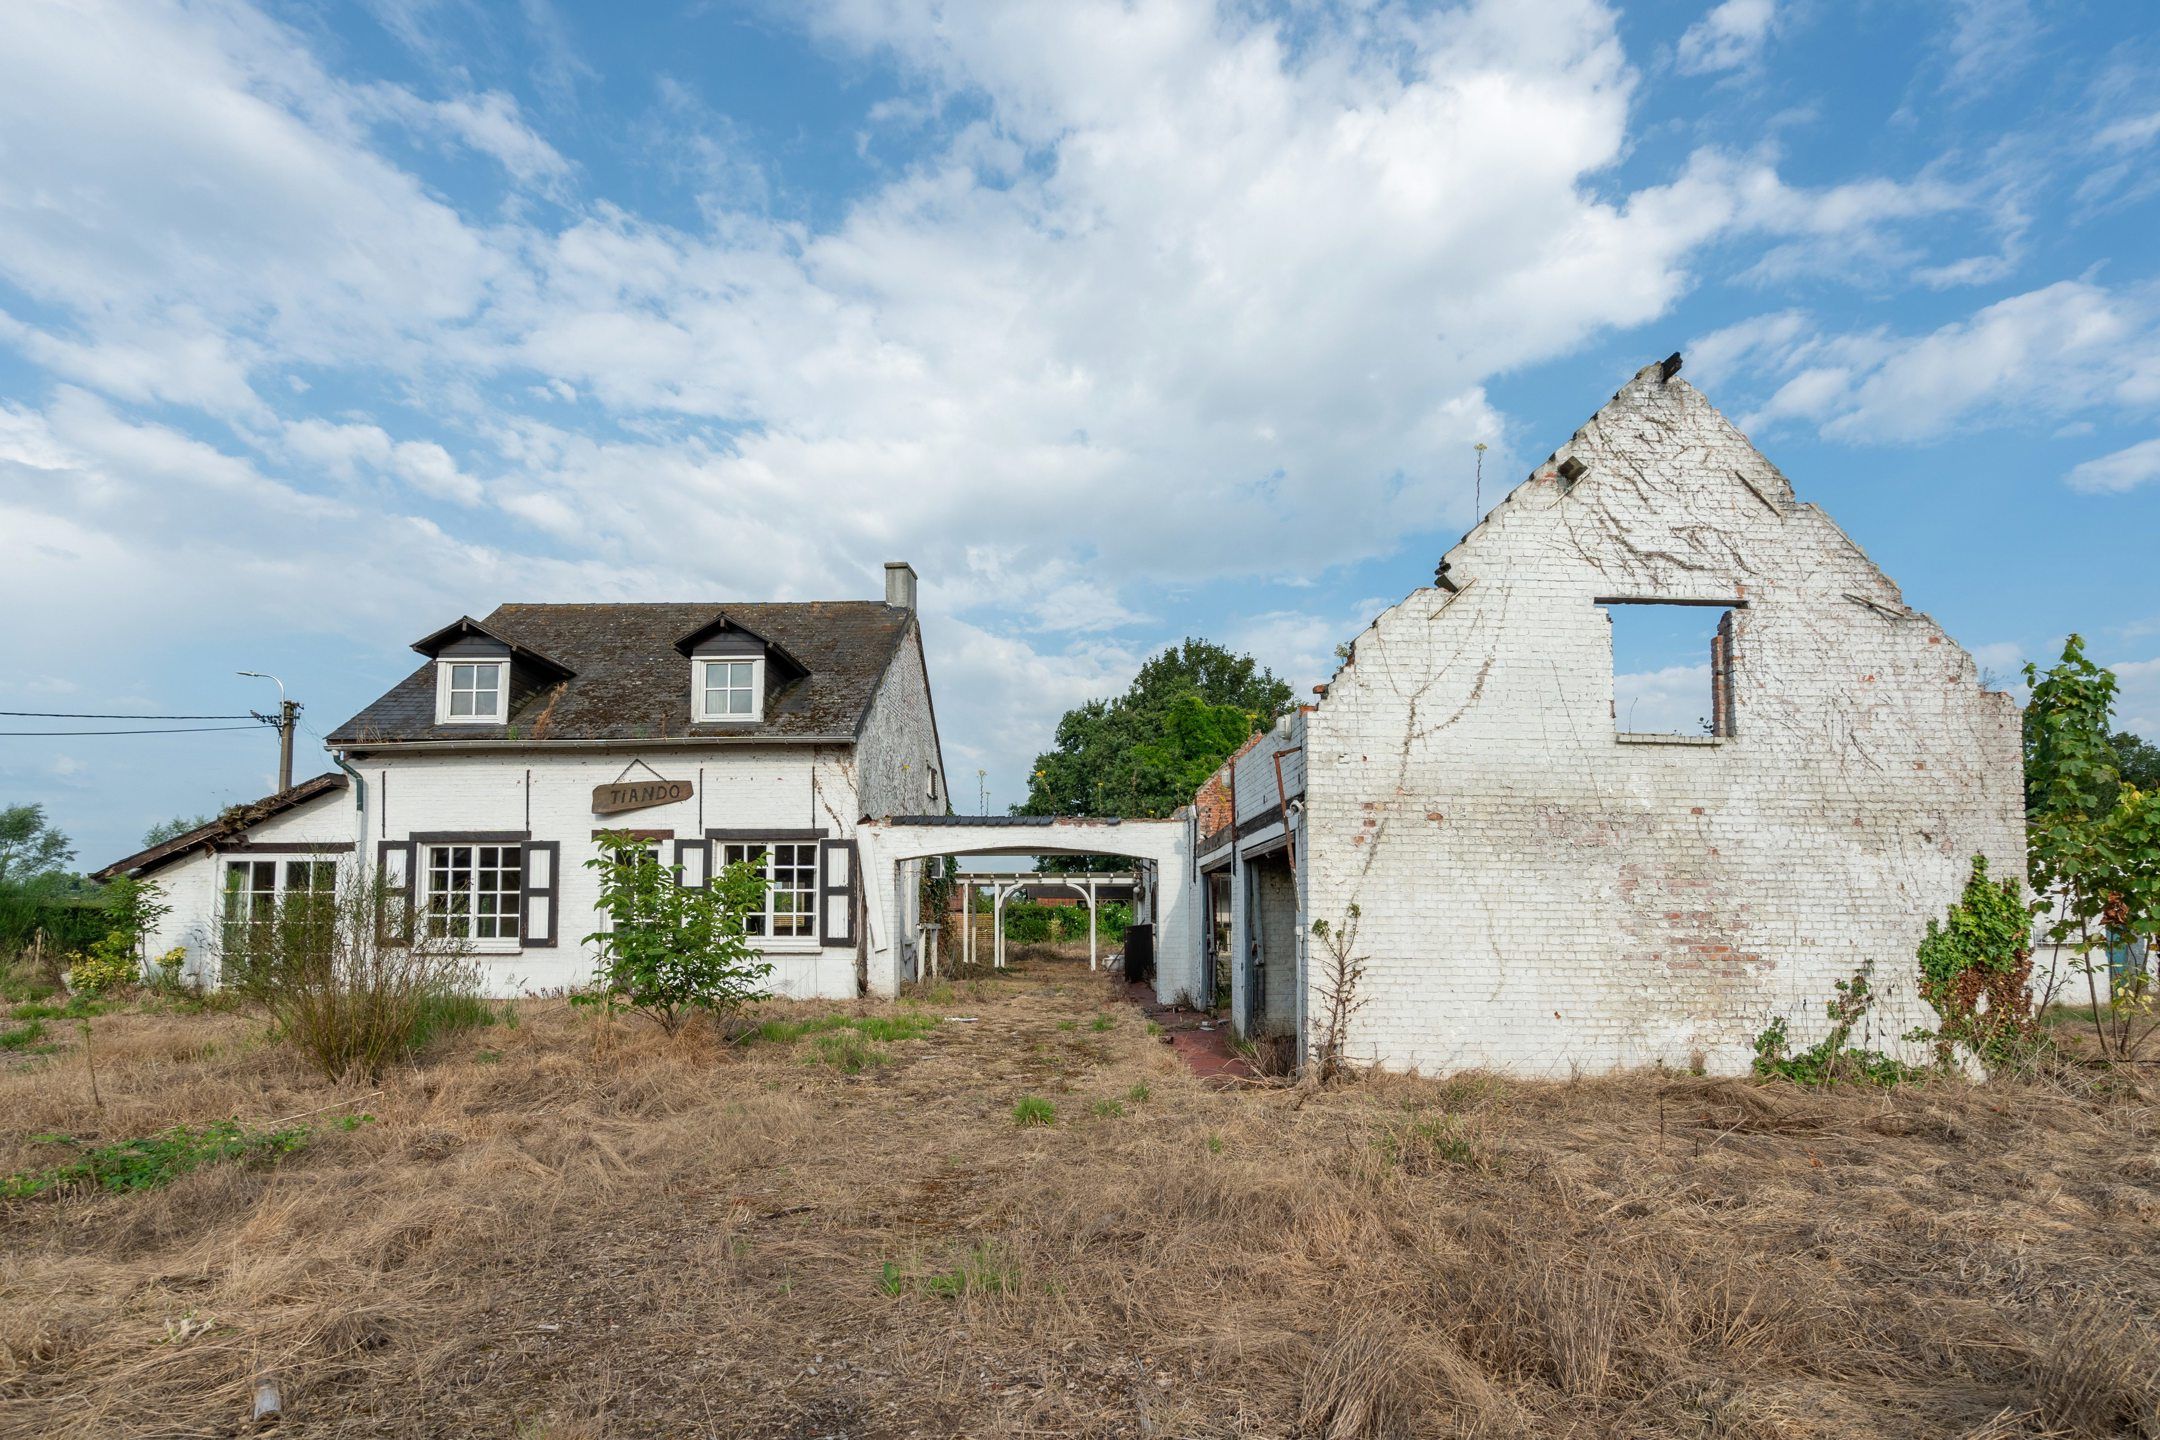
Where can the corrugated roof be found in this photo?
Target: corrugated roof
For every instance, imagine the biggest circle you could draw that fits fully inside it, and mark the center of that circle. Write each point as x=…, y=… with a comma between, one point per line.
x=629, y=682
x=233, y=822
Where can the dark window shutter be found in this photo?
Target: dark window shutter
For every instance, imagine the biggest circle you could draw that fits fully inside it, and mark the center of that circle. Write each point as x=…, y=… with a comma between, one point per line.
x=542, y=923
x=693, y=860
x=394, y=862
x=838, y=861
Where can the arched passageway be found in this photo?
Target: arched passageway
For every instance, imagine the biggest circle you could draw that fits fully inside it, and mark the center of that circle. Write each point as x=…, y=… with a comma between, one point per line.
x=1160, y=849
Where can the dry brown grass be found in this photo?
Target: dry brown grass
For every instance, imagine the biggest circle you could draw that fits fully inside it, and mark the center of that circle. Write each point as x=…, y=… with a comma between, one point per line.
x=576, y=1231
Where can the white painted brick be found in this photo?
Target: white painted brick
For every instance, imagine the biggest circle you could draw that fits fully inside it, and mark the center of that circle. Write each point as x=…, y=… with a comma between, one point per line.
x=1539, y=897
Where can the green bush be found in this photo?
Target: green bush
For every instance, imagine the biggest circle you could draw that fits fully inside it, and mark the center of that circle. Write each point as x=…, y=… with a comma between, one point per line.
x=110, y=965
x=1029, y=922
x=1974, y=969
x=671, y=949
x=1034, y=1110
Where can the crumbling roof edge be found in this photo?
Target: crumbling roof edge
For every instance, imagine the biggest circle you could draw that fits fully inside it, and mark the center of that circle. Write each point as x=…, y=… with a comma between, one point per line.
x=231, y=822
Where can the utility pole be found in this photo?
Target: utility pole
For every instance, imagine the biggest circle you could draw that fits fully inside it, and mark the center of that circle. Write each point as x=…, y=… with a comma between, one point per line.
x=288, y=714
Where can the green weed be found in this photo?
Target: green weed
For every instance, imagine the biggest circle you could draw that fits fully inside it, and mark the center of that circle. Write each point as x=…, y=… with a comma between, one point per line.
x=78, y=1007
x=1139, y=1094
x=983, y=1270
x=24, y=1038
x=1034, y=1110
x=907, y=1025
x=443, y=1012
x=1109, y=1110
x=1102, y=1023
x=847, y=1051
x=155, y=1160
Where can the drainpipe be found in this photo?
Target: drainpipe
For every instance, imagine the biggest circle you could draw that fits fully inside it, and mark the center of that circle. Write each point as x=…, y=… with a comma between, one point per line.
x=359, y=784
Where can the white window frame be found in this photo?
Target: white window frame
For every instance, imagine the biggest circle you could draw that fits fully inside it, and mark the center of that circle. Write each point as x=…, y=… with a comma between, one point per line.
x=425, y=891
x=759, y=927
x=698, y=688
x=280, y=882
x=445, y=684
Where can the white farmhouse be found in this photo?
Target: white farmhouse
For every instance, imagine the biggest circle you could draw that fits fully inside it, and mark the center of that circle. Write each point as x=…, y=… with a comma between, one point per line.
x=479, y=784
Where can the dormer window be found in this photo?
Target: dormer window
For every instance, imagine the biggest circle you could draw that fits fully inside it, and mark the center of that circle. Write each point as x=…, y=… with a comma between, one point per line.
x=470, y=691
x=730, y=689
x=735, y=672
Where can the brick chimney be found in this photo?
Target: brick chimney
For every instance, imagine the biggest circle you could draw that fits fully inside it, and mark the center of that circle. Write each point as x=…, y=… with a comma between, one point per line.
x=900, y=584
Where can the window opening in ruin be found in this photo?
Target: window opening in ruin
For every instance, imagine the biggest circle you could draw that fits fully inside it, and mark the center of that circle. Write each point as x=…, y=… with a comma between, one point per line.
x=1672, y=668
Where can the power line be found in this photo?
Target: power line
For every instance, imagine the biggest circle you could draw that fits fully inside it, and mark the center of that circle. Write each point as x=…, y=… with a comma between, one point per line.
x=78, y=715
x=179, y=730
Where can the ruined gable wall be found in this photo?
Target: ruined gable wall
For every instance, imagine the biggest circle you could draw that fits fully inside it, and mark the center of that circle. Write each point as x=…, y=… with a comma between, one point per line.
x=1538, y=895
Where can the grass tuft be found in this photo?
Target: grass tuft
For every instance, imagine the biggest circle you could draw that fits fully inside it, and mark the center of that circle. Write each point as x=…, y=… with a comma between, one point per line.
x=1034, y=1110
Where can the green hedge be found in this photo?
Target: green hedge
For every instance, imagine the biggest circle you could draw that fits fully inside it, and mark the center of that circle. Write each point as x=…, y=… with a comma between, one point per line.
x=1030, y=923
x=70, y=921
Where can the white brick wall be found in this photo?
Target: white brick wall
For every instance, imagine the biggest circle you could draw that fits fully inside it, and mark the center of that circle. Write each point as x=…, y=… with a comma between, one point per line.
x=1538, y=896
x=549, y=793
x=899, y=771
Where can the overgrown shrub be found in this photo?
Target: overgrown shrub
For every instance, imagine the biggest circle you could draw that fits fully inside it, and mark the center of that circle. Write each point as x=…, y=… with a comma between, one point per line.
x=348, y=989
x=1975, y=966
x=671, y=949
x=110, y=965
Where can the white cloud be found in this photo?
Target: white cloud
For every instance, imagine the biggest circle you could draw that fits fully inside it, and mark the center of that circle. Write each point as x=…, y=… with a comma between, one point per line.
x=1671, y=701
x=489, y=123
x=1989, y=40
x=2137, y=700
x=1730, y=37
x=2126, y=469
x=1181, y=293
x=2069, y=347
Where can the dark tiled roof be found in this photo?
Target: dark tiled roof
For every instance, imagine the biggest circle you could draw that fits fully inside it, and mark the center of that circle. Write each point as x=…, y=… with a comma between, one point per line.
x=233, y=822
x=629, y=682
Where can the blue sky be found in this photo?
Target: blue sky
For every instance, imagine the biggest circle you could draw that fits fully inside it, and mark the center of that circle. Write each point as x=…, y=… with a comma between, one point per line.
x=321, y=324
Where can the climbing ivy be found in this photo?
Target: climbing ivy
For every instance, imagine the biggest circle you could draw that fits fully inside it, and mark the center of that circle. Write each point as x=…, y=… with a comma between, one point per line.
x=1974, y=969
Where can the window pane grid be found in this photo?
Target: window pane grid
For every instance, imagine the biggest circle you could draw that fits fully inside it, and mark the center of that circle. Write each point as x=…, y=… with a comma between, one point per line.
x=475, y=892
x=730, y=689
x=790, y=872
x=476, y=691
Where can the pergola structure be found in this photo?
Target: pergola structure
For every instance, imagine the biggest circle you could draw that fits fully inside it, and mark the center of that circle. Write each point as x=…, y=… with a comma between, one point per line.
x=1002, y=883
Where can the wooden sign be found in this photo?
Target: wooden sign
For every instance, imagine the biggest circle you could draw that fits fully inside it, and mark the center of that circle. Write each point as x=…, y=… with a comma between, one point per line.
x=638, y=795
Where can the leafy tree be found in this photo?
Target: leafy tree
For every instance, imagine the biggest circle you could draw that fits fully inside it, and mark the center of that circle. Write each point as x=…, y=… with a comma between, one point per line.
x=671, y=949
x=2137, y=761
x=2092, y=840
x=29, y=845
x=172, y=829
x=1142, y=754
